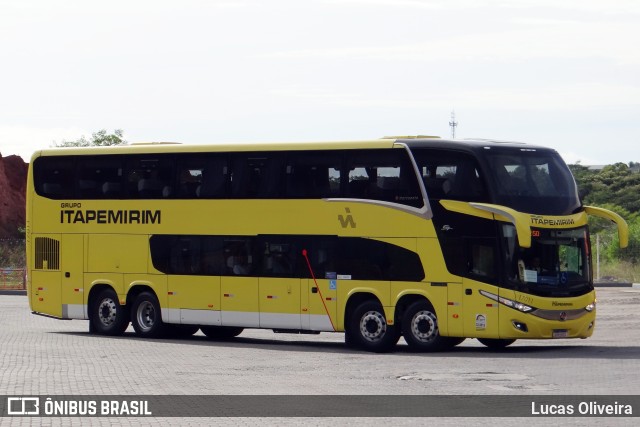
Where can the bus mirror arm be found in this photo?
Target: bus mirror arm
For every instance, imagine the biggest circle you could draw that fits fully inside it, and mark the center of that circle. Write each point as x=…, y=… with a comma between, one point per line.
x=501, y=213
x=623, y=228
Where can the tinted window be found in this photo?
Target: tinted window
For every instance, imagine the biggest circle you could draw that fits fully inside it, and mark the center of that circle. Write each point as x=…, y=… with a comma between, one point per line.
x=150, y=178
x=386, y=175
x=54, y=177
x=451, y=175
x=281, y=256
x=533, y=181
x=203, y=176
x=100, y=177
x=313, y=175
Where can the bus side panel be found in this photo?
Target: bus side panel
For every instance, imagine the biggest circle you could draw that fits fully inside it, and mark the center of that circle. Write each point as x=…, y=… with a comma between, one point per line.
x=193, y=300
x=279, y=302
x=481, y=314
x=121, y=253
x=239, y=301
x=45, y=292
x=455, y=311
x=72, y=267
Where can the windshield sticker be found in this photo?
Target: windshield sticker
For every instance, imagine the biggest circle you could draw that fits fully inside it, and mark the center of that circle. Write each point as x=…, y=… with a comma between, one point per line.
x=531, y=276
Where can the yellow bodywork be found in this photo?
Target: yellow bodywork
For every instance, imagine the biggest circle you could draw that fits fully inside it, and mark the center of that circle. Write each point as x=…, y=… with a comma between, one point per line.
x=117, y=255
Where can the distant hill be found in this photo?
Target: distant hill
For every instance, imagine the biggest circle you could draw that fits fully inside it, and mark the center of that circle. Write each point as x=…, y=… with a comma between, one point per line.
x=13, y=183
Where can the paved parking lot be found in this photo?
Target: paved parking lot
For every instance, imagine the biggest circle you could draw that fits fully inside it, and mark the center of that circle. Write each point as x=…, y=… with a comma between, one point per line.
x=42, y=356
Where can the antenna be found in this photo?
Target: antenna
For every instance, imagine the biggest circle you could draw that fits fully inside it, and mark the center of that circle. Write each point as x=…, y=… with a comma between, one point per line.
x=453, y=125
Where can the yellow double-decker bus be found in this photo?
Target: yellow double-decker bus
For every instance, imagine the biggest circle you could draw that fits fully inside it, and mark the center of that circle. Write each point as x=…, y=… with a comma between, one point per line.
x=429, y=239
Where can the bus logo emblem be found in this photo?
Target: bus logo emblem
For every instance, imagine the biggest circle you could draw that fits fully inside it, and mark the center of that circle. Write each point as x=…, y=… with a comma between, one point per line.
x=348, y=220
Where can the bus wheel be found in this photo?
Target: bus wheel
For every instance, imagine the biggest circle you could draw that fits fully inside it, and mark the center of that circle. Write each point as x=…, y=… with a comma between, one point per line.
x=221, y=332
x=495, y=343
x=420, y=329
x=146, y=316
x=368, y=329
x=107, y=316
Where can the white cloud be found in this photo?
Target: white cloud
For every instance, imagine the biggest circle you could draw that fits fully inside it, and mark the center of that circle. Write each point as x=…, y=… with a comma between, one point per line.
x=534, y=40
x=552, y=98
x=24, y=141
x=593, y=6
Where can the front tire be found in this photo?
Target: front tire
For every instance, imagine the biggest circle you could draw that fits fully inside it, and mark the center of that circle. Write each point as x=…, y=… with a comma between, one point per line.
x=420, y=329
x=368, y=329
x=107, y=316
x=146, y=316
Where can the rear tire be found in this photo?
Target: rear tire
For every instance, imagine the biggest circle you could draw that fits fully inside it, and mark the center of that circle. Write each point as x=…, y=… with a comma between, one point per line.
x=106, y=315
x=221, y=332
x=420, y=329
x=496, y=343
x=368, y=329
x=146, y=316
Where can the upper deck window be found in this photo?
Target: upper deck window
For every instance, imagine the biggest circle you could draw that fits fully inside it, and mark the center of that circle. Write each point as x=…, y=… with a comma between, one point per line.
x=451, y=175
x=532, y=181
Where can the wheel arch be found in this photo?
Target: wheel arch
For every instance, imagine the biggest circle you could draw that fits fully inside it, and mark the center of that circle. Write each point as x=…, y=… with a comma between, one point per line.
x=136, y=289
x=95, y=290
x=404, y=302
x=355, y=299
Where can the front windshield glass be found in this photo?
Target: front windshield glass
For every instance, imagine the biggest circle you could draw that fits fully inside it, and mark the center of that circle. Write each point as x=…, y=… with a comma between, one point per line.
x=556, y=264
x=533, y=181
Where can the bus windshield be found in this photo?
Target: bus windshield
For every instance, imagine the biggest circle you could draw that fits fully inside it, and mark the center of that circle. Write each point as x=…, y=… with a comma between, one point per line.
x=532, y=181
x=556, y=264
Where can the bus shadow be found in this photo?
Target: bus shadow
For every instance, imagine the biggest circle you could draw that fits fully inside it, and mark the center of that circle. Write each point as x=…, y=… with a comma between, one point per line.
x=567, y=351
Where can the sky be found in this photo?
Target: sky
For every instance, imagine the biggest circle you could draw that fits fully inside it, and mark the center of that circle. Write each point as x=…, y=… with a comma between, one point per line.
x=559, y=73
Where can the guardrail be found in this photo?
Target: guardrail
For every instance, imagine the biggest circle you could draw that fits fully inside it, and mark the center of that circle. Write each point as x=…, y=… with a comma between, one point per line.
x=13, y=278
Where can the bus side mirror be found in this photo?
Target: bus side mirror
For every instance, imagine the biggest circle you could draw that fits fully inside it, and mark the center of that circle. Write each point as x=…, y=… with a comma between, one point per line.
x=623, y=228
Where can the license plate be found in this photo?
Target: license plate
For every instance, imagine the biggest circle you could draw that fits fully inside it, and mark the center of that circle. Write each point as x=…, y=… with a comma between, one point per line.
x=560, y=333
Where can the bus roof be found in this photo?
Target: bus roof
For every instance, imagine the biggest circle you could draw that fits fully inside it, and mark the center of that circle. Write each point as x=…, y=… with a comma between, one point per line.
x=387, y=142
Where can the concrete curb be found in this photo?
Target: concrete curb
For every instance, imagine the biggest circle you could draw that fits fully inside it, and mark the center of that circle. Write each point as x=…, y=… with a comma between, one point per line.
x=13, y=292
x=615, y=285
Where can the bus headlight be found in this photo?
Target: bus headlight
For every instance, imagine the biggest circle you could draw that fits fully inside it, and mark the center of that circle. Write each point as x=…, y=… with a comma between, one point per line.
x=591, y=307
x=509, y=303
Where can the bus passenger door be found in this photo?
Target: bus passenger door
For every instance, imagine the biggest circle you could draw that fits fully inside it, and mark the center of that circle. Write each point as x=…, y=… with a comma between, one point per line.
x=72, y=272
x=280, y=303
x=319, y=305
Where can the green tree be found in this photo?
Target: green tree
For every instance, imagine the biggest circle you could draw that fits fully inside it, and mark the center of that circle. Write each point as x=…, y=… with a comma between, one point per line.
x=614, y=185
x=98, y=139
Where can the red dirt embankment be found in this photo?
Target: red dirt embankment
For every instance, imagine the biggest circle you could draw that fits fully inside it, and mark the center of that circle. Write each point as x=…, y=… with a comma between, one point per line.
x=13, y=183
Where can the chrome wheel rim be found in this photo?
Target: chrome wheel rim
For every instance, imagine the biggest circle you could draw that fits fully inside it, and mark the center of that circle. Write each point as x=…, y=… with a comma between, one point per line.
x=107, y=311
x=146, y=315
x=373, y=326
x=424, y=326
